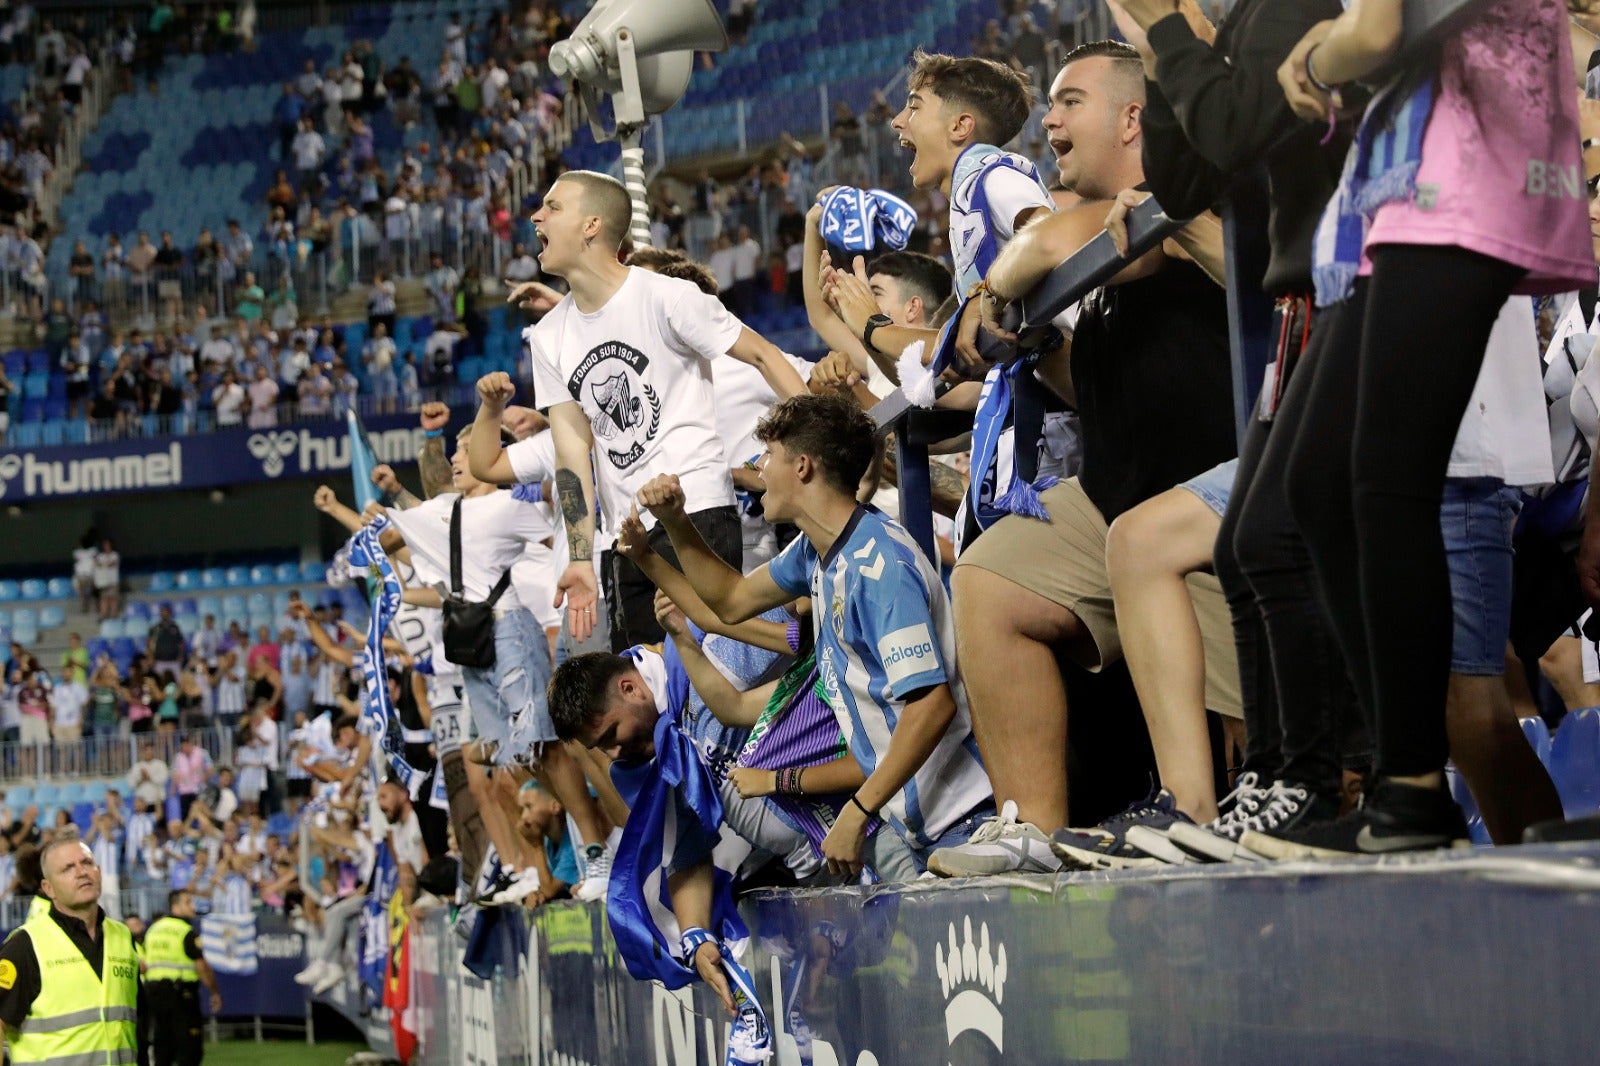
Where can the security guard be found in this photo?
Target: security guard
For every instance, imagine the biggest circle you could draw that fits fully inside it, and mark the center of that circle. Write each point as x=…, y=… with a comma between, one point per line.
x=173, y=971
x=69, y=980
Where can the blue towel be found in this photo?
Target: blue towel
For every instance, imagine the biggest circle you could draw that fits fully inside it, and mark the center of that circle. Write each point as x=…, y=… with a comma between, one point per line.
x=1380, y=168
x=859, y=220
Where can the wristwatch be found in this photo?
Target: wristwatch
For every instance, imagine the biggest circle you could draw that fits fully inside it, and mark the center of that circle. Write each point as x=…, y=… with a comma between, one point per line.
x=872, y=325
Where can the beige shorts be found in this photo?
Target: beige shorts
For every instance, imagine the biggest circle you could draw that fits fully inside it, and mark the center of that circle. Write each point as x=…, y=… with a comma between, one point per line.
x=1064, y=560
x=68, y=734
x=35, y=730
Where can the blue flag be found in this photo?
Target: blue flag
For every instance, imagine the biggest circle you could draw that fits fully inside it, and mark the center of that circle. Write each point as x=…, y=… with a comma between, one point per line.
x=362, y=460
x=674, y=822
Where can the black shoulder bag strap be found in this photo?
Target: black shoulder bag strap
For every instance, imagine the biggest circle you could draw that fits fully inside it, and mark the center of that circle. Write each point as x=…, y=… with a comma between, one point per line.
x=455, y=561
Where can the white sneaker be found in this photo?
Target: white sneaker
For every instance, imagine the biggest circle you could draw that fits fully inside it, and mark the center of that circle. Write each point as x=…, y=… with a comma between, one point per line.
x=1218, y=840
x=524, y=883
x=1002, y=845
x=596, y=874
x=331, y=977
x=310, y=974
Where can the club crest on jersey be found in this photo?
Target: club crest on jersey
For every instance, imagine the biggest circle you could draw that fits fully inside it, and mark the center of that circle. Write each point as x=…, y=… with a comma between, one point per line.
x=624, y=411
x=836, y=616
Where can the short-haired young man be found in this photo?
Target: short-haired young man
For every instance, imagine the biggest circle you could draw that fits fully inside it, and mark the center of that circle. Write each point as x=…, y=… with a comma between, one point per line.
x=623, y=366
x=885, y=641
x=1150, y=367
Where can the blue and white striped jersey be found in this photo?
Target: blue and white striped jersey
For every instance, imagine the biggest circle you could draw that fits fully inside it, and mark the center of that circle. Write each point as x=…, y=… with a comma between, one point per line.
x=884, y=632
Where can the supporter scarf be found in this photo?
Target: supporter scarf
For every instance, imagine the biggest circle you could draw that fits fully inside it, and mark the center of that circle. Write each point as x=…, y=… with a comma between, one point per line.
x=997, y=489
x=378, y=716
x=1380, y=168
x=674, y=822
x=859, y=220
x=797, y=728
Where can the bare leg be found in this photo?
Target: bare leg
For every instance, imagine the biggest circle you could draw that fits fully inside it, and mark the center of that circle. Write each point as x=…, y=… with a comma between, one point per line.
x=564, y=778
x=1006, y=636
x=1511, y=786
x=502, y=832
x=1562, y=666
x=597, y=769
x=1149, y=551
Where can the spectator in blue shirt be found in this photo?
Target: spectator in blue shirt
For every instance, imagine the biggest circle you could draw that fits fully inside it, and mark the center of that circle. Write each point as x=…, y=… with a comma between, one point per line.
x=543, y=821
x=286, y=116
x=884, y=637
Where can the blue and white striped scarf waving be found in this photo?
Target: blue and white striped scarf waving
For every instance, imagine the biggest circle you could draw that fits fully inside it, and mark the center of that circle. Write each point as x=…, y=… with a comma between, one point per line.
x=378, y=717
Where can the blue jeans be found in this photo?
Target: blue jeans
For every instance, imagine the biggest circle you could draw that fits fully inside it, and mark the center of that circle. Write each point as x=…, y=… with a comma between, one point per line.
x=1476, y=519
x=517, y=680
x=1215, y=485
x=895, y=859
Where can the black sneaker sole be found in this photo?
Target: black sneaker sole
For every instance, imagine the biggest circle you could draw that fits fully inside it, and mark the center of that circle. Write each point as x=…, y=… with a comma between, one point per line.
x=1076, y=858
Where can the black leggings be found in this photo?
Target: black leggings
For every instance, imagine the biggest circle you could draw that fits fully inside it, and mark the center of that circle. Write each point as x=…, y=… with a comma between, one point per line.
x=1366, y=479
x=1297, y=697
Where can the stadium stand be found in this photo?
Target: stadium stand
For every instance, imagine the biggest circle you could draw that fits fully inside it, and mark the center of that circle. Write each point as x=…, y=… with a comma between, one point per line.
x=357, y=837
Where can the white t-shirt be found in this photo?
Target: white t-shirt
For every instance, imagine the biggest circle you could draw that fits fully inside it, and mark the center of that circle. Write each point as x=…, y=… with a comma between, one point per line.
x=83, y=562
x=1505, y=433
x=721, y=265
x=746, y=260
x=743, y=399
x=67, y=701
x=640, y=368
x=405, y=839
x=497, y=528
x=535, y=575
x=107, y=570
x=228, y=400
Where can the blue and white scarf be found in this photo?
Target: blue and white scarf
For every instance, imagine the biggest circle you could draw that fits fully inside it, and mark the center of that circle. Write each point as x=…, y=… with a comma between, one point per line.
x=997, y=489
x=378, y=717
x=860, y=220
x=1380, y=168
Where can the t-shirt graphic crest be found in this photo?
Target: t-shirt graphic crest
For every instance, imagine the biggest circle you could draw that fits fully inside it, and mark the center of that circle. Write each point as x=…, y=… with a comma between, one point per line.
x=625, y=410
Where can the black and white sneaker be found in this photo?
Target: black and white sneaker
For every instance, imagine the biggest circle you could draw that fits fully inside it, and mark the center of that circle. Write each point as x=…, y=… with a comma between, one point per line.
x=1218, y=839
x=1106, y=846
x=1395, y=818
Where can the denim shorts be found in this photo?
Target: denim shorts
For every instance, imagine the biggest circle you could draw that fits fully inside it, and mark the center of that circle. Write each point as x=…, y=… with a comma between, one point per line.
x=894, y=859
x=1476, y=519
x=1215, y=485
x=519, y=677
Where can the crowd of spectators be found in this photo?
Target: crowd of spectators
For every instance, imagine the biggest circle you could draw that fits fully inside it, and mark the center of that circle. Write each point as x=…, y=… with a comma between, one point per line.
x=741, y=599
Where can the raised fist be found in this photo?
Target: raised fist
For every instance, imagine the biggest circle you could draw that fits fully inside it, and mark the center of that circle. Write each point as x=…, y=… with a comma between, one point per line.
x=663, y=497
x=435, y=415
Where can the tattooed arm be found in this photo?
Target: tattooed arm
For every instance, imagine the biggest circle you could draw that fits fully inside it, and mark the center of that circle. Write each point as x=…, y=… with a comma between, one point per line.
x=578, y=588
x=432, y=461
x=947, y=485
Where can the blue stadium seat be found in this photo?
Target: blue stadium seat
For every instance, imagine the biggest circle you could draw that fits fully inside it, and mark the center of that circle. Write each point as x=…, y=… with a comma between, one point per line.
x=59, y=588
x=52, y=616
x=280, y=825
x=259, y=603
x=25, y=618
x=98, y=646
x=261, y=575
x=136, y=610
x=187, y=580
x=34, y=589
x=161, y=581
x=27, y=636
x=237, y=577
x=111, y=628
x=9, y=590
x=18, y=797
x=188, y=624
x=47, y=794
x=213, y=577
x=184, y=605
x=285, y=573
x=310, y=570
x=39, y=362
x=71, y=792
x=234, y=606
x=280, y=603
x=5, y=617
x=1575, y=762
x=16, y=364
x=211, y=605
x=124, y=647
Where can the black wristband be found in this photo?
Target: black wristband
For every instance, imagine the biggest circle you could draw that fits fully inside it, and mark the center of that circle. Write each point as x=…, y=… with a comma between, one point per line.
x=860, y=807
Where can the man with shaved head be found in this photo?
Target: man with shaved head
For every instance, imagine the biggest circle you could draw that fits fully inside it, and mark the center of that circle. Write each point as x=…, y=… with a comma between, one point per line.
x=69, y=977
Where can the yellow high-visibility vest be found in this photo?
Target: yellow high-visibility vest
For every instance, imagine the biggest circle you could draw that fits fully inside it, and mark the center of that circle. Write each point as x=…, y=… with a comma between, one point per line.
x=164, y=957
x=79, y=1019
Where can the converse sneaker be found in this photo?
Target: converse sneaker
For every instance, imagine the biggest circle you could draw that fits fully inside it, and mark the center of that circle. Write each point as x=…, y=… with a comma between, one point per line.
x=1218, y=839
x=1395, y=818
x=516, y=887
x=1106, y=847
x=596, y=873
x=1002, y=845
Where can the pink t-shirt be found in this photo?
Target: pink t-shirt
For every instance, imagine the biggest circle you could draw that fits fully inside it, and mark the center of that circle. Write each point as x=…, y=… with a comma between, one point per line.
x=1501, y=172
x=189, y=770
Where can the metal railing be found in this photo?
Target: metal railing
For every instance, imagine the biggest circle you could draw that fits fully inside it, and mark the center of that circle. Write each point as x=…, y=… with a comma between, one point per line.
x=103, y=755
